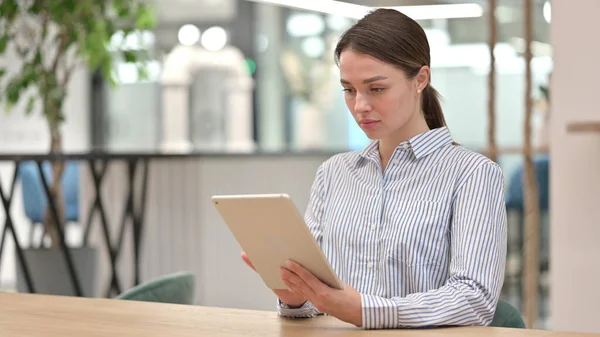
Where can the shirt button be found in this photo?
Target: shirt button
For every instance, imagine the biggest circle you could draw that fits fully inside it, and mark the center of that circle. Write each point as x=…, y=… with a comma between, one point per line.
x=405, y=146
x=373, y=227
x=370, y=265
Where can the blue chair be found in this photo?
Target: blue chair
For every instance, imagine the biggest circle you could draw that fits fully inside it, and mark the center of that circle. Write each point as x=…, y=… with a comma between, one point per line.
x=515, y=203
x=514, y=197
x=34, y=196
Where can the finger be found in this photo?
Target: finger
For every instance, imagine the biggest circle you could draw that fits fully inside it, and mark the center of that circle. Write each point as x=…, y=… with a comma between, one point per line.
x=314, y=283
x=285, y=278
x=247, y=260
x=294, y=288
x=296, y=284
x=301, y=290
x=319, y=299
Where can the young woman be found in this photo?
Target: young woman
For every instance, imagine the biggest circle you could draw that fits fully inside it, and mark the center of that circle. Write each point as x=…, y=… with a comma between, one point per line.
x=414, y=224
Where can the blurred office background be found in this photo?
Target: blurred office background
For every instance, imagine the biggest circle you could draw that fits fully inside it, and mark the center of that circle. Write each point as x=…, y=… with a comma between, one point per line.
x=288, y=54
x=266, y=71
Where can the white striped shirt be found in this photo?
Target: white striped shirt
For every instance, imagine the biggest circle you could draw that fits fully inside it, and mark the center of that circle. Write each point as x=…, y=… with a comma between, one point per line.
x=423, y=242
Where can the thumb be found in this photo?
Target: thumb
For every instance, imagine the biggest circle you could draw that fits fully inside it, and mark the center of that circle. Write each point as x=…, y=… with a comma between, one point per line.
x=247, y=260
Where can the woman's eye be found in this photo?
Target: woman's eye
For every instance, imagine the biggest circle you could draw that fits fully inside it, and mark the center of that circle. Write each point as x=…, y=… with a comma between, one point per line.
x=347, y=90
x=377, y=89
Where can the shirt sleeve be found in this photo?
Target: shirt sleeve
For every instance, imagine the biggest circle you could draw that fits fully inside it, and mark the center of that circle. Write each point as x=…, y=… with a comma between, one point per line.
x=313, y=218
x=478, y=257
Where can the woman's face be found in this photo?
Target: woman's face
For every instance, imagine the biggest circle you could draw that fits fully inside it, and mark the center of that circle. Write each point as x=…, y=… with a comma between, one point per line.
x=382, y=100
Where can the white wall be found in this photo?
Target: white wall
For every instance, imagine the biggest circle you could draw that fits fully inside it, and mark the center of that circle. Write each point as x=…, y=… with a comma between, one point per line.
x=575, y=178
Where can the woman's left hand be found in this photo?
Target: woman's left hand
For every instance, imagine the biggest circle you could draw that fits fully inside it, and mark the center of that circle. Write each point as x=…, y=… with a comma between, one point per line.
x=343, y=304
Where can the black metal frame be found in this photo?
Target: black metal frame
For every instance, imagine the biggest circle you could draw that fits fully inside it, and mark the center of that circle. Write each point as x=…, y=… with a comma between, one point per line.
x=63, y=245
x=8, y=226
x=136, y=214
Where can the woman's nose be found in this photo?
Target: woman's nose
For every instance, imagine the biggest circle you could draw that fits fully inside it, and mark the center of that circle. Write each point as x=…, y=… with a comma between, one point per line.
x=361, y=103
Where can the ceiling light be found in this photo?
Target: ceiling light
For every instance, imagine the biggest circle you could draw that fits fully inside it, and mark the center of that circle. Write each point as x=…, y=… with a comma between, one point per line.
x=547, y=11
x=188, y=35
x=214, y=38
x=313, y=46
x=323, y=6
x=338, y=22
x=420, y=12
x=449, y=11
x=305, y=24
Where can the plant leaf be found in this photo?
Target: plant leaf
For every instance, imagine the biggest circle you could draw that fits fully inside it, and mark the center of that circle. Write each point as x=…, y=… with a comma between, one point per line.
x=30, y=105
x=38, y=57
x=130, y=56
x=37, y=6
x=13, y=90
x=9, y=9
x=143, y=73
x=146, y=19
x=85, y=25
x=8, y=106
x=29, y=73
x=3, y=43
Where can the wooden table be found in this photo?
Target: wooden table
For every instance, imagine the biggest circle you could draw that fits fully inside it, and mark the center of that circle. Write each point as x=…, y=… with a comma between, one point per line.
x=40, y=315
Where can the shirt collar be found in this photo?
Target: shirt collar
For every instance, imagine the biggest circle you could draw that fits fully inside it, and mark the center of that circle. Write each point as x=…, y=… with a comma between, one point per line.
x=420, y=145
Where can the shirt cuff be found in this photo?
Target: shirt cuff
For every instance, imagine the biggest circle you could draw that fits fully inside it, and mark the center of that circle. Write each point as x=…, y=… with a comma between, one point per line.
x=378, y=312
x=307, y=310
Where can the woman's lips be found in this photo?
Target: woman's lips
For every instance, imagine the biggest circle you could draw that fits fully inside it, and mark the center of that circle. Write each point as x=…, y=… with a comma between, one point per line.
x=368, y=123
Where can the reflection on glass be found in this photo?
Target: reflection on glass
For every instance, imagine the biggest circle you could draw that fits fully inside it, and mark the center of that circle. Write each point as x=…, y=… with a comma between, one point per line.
x=132, y=117
x=208, y=108
x=460, y=67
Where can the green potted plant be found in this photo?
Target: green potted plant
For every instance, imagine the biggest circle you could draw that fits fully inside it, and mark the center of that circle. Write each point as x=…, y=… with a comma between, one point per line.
x=52, y=38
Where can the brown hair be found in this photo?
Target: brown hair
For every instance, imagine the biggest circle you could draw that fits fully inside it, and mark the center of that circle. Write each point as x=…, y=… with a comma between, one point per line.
x=394, y=38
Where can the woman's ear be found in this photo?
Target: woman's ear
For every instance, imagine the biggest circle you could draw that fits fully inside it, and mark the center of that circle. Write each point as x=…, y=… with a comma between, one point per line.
x=422, y=78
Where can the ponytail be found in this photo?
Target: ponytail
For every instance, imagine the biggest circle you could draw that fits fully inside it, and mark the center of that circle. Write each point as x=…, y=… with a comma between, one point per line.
x=434, y=116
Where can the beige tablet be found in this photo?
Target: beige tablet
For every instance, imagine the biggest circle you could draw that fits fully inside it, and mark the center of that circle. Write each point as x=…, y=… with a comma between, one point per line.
x=271, y=231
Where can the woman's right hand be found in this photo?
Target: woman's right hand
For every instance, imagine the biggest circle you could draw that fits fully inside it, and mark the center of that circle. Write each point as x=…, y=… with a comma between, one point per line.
x=291, y=299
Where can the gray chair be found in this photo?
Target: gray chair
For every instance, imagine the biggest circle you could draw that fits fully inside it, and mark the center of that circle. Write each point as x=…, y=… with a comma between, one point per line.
x=507, y=316
x=178, y=288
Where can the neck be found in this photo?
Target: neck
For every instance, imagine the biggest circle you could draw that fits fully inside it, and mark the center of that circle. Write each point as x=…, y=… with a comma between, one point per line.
x=415, y=126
